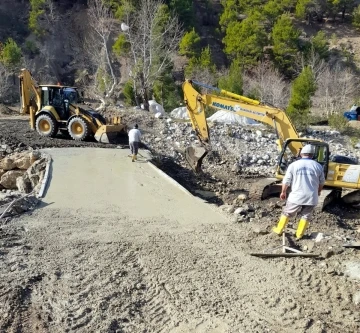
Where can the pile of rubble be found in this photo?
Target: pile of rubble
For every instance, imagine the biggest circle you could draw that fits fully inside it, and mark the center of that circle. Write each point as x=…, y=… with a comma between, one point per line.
x=21, y=176
x=251, y=150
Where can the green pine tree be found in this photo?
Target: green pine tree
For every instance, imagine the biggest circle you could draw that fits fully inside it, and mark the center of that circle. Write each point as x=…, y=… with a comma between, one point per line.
x=302, y=89
x=10, y=54
x=285, y=39
x=233, y=81
x=246, y=40
x=190, y=43
x=356, y=17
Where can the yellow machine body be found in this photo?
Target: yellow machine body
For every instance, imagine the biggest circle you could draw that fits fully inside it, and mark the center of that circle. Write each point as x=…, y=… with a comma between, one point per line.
x=32, y=97
x=338, y=175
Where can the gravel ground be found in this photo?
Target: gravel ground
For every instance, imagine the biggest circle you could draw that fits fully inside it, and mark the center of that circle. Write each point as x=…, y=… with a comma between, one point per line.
x=94, y=270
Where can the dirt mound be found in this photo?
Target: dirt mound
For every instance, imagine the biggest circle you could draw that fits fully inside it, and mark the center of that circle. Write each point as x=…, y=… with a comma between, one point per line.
x=6, y=111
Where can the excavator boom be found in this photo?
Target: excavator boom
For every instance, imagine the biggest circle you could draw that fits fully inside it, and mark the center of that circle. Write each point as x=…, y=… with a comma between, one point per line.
x=196, y=104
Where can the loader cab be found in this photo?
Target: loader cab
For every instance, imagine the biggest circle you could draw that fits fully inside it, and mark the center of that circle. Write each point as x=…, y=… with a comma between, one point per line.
x=59, y=98
x=321, y=155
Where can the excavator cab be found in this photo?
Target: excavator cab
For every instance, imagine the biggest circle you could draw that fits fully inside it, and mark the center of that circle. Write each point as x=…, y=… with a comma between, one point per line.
x=286, y=157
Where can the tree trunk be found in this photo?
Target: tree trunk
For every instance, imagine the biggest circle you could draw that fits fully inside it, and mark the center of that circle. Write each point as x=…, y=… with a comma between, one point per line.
x=110, y=67
x=146, y=99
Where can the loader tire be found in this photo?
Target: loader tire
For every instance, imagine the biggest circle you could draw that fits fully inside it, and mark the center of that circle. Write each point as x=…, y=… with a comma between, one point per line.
x=46, y=125
x=78, y=128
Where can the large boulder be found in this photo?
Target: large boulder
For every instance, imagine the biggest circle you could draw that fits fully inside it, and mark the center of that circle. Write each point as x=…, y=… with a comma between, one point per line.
x=21, y=160
x=7, y=163
x=2, y=172
x=23, y=183
x=8, y=179
x=155, y=107
x=26, y=159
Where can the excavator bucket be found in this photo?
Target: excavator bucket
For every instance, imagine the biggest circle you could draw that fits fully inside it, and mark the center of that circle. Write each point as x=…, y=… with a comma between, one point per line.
x=108, y=133
x=194, y=156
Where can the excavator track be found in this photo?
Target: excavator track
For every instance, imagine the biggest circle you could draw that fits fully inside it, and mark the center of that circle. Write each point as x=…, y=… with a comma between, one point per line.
x=327, y=196
x=263, y=188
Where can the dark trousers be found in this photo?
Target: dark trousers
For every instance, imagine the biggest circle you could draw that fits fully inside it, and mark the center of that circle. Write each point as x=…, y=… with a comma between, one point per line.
x=134, y=147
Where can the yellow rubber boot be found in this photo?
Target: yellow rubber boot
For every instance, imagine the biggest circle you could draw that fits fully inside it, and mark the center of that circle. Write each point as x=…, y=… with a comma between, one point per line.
x=279, y=229
x=133, y=158
x=303, y=224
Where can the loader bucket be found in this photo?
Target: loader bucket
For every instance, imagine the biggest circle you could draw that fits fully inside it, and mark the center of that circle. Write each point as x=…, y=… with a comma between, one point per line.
x=194, y=156
x=108, y=133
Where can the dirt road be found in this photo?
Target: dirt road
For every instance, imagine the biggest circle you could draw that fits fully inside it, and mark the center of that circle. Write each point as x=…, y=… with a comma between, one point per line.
x=116, y=247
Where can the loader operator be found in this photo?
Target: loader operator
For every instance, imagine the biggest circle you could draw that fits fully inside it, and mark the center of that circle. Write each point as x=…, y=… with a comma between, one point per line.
x=134, y=141
x=306, y=179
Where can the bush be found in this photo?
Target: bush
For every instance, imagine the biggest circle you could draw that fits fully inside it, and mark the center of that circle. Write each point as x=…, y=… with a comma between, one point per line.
x=190, y=44
x=37, y=10
x=129, y=94
x=10, y=54
x=338, y=122
x=31, y=48
x=121, y=46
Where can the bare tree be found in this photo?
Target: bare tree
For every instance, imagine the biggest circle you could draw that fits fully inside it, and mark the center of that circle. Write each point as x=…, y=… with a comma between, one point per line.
x=51, y=13
x=153, y=36
x=313, y=60
x=266, y=82
x=4, y=81
x=102, y=25
x=336, y=90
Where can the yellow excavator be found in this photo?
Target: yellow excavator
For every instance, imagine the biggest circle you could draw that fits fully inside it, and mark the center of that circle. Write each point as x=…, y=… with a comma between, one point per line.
x=56, y=107
x=340, y=172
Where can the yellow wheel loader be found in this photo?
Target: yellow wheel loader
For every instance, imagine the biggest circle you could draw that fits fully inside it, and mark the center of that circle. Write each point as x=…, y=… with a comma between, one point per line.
x=54, y=108
x=340, y=172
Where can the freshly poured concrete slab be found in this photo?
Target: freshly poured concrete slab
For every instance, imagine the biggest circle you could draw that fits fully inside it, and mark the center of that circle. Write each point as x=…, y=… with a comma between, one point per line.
x=106, y=179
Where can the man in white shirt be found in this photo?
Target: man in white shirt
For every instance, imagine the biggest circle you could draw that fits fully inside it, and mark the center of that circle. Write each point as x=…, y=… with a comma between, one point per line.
x=306, y=179
x=134, y=141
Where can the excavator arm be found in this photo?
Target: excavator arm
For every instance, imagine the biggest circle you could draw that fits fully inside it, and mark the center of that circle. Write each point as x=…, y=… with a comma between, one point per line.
x=30, y=96
x=240, y=105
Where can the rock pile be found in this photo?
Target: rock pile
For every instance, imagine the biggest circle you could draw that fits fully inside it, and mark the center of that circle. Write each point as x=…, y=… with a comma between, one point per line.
x=22, y=171
x=249, y=150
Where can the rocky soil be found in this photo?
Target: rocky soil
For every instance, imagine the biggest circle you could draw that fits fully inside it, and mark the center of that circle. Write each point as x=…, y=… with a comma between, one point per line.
x=329, y=298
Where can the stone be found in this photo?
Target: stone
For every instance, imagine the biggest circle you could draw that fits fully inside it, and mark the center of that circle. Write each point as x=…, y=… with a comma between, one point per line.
x=240, y=211
x=242, y=197
x=251, y=214
x=2, y=172
x=248, y=208
x=356, y=298
x=158, y=139
x=22, y=161
x=7, y=163
x=34, y=180
x=37, y=167
x=8, y=179
x=23, y=184
x=230, y=209
x=236, y=168
x=259, y=133
x=257, y=229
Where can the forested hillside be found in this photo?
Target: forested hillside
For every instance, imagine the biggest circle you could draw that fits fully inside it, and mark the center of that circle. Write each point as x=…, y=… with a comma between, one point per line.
x=300, y=55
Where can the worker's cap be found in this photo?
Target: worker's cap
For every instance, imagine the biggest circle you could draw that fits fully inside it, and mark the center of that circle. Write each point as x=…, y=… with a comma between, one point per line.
x=308, y=149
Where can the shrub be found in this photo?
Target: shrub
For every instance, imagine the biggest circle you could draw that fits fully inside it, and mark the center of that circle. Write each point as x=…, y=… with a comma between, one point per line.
x=338, y=122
